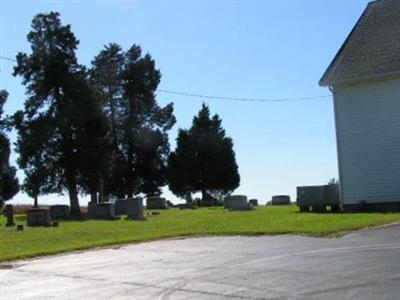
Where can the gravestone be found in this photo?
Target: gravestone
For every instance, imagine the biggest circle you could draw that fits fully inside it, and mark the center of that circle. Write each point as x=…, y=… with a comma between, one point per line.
x=253, y=202
x=170, y=204
x=104, y=210
x=120, y=206
x=38, y=217
x=188, y=198
x=92, y=209
x=134, y=209
x=59, y=212
x=237, y=202
x=208, y=200
x=280, y=200
x=156, y=203
x=10, y=215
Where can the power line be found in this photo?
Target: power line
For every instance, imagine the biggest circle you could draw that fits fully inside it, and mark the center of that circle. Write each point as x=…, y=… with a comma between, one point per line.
x=7, y=58
x=237, y=99
x=241, y=99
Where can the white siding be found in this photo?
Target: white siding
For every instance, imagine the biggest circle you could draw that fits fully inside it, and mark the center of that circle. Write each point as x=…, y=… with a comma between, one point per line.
x=368, y=136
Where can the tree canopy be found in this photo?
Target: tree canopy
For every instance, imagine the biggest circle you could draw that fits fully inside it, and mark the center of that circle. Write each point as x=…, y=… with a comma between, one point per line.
x=204, y=159
x=139, y=126
x=9, y=186
x=53, y=128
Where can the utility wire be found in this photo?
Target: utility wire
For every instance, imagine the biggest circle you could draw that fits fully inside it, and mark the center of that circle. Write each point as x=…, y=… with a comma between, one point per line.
x=241, y=99
x=7, y=58
x=187, y=94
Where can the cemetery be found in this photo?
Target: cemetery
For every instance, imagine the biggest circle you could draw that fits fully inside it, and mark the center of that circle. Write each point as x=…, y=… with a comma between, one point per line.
x=40, y=234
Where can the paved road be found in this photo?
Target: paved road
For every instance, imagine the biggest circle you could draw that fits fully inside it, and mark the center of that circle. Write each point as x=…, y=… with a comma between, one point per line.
x=363, y=265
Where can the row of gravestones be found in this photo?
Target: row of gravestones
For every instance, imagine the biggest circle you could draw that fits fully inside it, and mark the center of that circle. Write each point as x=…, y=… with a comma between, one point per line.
x=131, y=207
x=39, y=216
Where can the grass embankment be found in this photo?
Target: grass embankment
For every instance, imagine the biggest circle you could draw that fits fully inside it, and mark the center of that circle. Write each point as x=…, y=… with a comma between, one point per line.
x=74, y=235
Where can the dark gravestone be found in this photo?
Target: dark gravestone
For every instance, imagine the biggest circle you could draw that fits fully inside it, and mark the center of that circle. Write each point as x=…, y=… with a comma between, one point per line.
x=38, y=217
x=156, y=203
x=134, y=210
x=237, y=202
x=59, y=212
x=208, y=200
x=92, y=209
x=104, y=210
x=10, y=215
x=120, y=206
x=20, y=227
x=280, y=200
x=253, y=202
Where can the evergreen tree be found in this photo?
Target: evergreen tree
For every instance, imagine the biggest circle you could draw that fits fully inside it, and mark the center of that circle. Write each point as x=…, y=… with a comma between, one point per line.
x=105, y=74
x=204, y=160
x=139, y=126
x=53, y=127
x=8, y=181
x=145, y=125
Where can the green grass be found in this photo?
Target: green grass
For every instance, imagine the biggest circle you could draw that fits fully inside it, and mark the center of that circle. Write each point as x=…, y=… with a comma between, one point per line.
x=74, y=235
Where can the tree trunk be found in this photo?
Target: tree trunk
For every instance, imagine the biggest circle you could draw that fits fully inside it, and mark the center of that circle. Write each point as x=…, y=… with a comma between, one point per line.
x=101, y=190
x=93, y=197
x=35, y=202
x=204, y=195
x=73, y=196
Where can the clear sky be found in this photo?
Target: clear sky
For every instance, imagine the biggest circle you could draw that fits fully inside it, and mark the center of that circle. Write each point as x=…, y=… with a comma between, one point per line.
x=251, y=49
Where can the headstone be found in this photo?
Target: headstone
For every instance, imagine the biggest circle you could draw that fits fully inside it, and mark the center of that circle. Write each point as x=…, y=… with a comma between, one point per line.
x=120, y=206
x=59, y=212
x=10, y=215
x=253, y=202
x=20, y=227
x=237, y=202
x=92, y=209
x=170, y=204
x=280, y=200
x=208, y=200
x=156, y=203
x=104, y=210
x=188, y=198
x=134, y=210
x=38, y=217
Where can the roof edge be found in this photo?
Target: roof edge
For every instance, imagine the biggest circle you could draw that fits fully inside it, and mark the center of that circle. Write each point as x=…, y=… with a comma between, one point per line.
x=358, y=80
x=324, y=81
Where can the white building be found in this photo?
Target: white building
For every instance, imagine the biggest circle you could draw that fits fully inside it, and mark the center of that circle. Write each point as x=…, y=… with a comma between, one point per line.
x=365, y=80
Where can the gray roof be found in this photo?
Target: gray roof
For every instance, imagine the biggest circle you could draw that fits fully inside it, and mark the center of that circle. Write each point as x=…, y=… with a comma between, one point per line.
x=373, y=47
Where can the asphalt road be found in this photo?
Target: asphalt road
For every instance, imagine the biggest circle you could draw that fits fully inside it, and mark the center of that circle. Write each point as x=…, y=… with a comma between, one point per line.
x=363, y=265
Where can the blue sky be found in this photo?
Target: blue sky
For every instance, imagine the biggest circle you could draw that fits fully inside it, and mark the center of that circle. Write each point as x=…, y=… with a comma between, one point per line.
x=253, y=49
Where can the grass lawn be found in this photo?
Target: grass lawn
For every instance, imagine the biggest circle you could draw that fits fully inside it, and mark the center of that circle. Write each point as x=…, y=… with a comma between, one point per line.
x=74, y=235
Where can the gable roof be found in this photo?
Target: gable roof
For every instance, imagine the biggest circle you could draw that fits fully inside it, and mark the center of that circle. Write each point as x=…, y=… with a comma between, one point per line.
x=373, y=47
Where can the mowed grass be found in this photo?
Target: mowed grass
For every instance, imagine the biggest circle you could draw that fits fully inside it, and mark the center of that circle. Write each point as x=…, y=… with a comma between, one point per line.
x=74, y=235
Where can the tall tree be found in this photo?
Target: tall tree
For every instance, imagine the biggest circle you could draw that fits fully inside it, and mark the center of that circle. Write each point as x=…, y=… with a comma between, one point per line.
x=139, y=126
x=204, y=160
x=9, y=186
x=106, y=75
x=59, y=107
x=145, y=125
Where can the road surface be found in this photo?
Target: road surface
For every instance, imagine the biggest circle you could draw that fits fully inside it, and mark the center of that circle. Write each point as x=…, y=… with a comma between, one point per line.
x=362, y=265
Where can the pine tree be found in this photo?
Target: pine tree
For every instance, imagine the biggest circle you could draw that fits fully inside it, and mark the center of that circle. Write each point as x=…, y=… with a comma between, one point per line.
x=9, y=186
x=145, y=125
x=106, y=76
x=204, y=160
x=53, y=127
x=139, y=126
